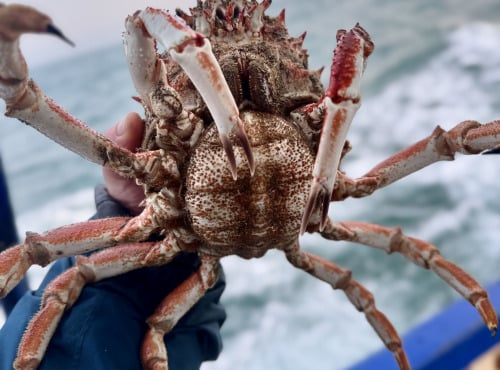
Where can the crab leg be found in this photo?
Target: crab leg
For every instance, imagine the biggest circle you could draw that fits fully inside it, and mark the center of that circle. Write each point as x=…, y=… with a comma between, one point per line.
x=421, y=253
x=341, y=101
x=63, y=291
x=194, y=54
x=359, y=296
x=25, y=101
x=468, y=137
x=173, y=307
x=61, y=242
x=79, y=238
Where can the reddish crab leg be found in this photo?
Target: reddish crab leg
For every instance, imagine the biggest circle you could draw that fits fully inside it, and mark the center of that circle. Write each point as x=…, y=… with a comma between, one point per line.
x=341, y=101
x=172, y=308
x=64, y=290
x=41, y=249
x=359, y=296
x=194, y=54
x=422, y=254
x=468, y=137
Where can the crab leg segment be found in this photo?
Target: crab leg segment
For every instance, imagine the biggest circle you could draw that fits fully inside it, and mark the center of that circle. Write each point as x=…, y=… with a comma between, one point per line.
x=421, y=253
x=468, y=137
x=194, y=54
x=63, y=291
x=174, y=306
x=341, y=101
x=61, y=242
x=25, y=101
x=359, y=296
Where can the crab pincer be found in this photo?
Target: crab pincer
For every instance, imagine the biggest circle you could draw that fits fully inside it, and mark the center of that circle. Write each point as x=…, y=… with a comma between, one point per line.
x=340, y=102
x=193, y=52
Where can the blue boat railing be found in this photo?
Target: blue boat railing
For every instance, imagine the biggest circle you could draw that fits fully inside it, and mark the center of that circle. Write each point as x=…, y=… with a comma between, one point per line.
x=450, y=340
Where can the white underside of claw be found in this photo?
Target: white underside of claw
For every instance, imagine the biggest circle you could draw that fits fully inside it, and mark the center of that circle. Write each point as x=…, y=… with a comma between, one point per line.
x=140, y=52
x=337, y=121
x=193, y=52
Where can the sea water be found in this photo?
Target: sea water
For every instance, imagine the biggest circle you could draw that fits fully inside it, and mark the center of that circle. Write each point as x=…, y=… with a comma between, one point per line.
x=434, y=63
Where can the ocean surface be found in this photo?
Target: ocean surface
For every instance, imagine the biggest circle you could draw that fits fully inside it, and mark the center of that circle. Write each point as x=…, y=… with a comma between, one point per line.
x=434, y=63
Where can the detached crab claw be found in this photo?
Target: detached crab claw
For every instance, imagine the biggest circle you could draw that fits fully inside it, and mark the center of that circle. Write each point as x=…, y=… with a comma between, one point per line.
x=18, y=19
x=193, y=52
x=341, y=102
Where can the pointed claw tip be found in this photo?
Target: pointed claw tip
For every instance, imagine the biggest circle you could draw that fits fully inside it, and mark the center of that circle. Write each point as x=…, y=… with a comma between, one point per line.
x=243, y=138
x=311, y=201
x=228, y=148
x=326, y=204
x=318, y=191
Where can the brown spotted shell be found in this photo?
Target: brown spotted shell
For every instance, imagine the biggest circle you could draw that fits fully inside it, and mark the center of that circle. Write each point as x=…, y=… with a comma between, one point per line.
x=254, y=213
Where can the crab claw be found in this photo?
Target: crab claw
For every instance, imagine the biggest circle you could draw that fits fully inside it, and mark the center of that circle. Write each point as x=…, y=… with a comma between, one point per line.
x=193, y=52
x=341, y=101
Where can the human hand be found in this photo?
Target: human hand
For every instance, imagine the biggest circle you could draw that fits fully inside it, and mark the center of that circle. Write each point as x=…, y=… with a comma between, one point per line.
x=128, y=134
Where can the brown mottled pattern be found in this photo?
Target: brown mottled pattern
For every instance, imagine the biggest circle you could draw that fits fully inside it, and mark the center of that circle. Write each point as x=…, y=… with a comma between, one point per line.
x=253, y=213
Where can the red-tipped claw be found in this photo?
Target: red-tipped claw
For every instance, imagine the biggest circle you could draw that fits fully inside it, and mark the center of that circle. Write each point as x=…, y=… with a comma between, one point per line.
x=341, y=101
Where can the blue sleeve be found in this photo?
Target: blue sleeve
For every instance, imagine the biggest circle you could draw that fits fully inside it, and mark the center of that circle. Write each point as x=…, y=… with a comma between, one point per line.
x=104, y=329
x=8, y=237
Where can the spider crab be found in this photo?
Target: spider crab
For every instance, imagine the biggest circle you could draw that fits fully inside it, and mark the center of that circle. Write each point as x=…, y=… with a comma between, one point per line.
x=241, y=154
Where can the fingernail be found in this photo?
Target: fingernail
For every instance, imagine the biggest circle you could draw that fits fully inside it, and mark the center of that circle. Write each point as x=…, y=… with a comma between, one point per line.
x=120, y=128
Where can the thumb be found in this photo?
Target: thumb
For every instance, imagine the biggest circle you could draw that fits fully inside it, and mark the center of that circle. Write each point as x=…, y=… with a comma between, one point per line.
x=128, y=134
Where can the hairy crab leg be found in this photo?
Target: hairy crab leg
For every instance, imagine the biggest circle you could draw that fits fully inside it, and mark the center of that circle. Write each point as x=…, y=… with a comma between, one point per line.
x=64, y=290
x=359, y=296
x=341, y=101
x=174, y=306
x=468, y=137
x=422, y=254
x=41, y=249
x=75, y=239
x=194, y=54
